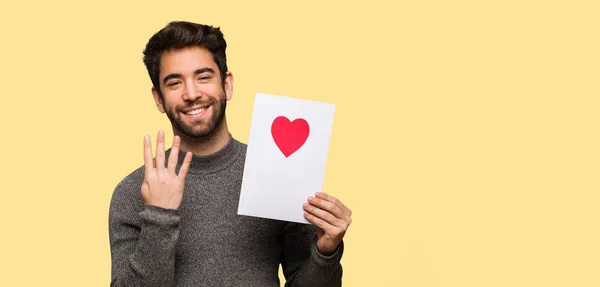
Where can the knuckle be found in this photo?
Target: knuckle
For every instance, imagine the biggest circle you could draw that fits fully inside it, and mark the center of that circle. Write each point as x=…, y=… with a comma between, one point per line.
x=345, y=226
x=336, y=232
x=323, y=224
x=337, y=210
x=331, y=217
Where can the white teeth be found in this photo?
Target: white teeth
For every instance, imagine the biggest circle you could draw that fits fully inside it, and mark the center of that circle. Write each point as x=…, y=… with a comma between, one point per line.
x=195, y=112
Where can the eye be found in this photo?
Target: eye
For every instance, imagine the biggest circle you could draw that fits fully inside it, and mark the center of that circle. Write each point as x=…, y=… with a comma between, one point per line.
x=174, y=83
x=204, y=78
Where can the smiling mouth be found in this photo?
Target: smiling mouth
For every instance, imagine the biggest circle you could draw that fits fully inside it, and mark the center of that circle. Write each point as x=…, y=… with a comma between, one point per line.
x=195, y=111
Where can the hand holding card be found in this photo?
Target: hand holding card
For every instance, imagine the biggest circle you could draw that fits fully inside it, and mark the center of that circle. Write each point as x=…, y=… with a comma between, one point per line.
x=332, y=219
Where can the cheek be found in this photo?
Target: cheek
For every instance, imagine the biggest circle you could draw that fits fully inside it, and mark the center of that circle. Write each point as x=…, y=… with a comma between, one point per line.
x=169, y=101
x=211, y=90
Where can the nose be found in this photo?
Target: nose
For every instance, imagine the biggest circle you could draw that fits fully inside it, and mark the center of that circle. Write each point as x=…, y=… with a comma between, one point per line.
x=190, y=93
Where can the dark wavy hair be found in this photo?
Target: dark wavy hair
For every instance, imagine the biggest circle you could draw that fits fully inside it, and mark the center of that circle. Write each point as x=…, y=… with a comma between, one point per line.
x=182, y=34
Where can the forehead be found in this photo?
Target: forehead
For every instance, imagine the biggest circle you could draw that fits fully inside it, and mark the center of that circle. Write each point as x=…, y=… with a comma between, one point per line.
x=185, y=61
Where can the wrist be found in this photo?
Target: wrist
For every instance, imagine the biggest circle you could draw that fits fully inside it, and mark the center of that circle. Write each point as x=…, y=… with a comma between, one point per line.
x=327, y=251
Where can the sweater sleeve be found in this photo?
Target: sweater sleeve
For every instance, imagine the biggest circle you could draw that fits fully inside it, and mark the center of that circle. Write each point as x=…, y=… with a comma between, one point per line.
x=142, y=240
x=302, y=264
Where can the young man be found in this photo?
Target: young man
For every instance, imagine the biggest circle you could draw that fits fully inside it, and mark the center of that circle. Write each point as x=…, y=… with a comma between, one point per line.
x=174, y=222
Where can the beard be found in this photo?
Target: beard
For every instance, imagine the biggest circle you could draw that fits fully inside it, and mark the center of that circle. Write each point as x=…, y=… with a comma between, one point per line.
x=203, y=128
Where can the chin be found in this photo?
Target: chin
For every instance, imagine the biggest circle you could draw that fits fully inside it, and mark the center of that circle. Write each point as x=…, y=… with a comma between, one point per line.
x=202, y=133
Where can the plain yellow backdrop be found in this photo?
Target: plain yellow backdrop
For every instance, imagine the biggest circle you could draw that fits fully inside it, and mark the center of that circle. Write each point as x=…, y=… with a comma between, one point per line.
x=465, y=137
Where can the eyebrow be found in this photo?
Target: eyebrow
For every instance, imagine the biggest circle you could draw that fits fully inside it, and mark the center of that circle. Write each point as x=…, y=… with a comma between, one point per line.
x=197, y=72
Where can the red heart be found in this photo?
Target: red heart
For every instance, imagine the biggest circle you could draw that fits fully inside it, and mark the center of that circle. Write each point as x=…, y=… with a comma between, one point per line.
x=289, y=136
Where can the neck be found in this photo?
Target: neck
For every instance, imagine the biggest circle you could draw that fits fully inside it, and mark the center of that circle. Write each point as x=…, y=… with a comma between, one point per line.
x=206, y=145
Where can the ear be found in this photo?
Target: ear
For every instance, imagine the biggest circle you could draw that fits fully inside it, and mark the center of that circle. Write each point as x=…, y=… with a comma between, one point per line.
x=228, y=85
x=158, y=99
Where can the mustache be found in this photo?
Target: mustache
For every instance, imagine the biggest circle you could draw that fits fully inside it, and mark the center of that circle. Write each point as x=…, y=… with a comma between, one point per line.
x=197, y=102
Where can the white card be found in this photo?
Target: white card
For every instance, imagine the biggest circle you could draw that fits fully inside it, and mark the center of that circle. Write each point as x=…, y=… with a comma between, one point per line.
x=286, y=156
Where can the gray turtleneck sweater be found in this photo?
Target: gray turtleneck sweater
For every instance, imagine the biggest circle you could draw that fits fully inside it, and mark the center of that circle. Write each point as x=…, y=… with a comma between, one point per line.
x=205, y=242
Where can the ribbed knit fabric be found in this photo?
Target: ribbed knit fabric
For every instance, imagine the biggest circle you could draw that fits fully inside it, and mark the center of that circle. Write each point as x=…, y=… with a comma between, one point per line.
x=205, y=242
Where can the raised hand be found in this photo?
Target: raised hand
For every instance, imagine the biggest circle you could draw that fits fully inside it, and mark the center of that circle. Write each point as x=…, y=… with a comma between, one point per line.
x=162, y=187
x=332, y=219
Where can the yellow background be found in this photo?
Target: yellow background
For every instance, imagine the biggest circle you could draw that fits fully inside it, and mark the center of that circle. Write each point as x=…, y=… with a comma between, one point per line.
x=465, y=137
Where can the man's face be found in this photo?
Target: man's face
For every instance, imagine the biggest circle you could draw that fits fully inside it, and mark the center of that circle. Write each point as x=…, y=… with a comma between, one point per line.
x=194, y=98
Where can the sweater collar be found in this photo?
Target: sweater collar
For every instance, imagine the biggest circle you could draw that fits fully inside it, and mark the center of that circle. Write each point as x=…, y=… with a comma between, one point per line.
x=219, y=160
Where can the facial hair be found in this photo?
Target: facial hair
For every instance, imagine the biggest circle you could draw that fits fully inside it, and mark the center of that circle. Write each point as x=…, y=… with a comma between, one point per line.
x=199, y=129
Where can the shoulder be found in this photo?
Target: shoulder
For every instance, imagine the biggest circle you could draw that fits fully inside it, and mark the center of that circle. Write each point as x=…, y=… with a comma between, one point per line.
x=240, y=149
x=134, y=178
x=128, y=189
x=243, y=146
